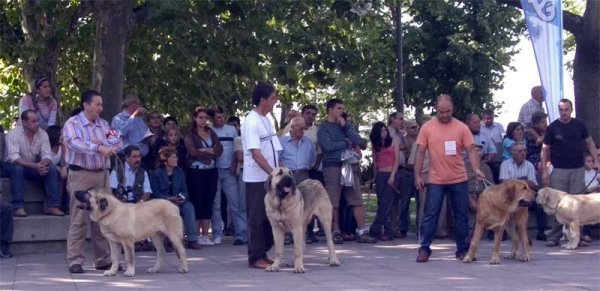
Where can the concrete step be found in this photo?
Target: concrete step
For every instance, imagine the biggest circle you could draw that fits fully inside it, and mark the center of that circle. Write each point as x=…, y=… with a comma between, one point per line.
x=41, y=234
x=34, y=195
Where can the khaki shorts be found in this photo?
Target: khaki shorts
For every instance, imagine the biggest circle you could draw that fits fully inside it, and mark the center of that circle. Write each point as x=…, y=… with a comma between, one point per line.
x=331, y=177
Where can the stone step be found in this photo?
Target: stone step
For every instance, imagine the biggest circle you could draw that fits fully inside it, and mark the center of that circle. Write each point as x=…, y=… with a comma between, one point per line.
x=34, y=195
x=41, y=233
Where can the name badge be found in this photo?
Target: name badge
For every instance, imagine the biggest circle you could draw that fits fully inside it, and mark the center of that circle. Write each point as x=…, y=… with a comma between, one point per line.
x=450, y=147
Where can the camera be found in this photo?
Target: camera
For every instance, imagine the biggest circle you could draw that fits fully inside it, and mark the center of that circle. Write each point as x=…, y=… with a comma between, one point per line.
x=122, y=191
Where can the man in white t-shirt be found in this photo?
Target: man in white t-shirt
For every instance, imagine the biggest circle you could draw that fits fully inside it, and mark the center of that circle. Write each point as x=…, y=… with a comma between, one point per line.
x=260, y=144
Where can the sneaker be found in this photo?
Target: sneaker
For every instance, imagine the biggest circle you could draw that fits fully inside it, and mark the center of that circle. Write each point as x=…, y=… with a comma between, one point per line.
x=205, y=241
x=337, y=237
x=238, y=242
x=20, y=212
x=364, y=237
x=217, y=240
x=551, y=244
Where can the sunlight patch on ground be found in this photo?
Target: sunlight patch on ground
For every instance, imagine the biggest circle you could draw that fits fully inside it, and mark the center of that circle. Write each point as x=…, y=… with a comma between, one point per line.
x=456, y=278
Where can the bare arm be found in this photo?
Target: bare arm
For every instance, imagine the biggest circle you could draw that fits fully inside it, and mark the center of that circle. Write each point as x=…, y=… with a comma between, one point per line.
x=260, y=160
x=474, y=161
x=419, y=183
x=592, y=149
x=544, y=164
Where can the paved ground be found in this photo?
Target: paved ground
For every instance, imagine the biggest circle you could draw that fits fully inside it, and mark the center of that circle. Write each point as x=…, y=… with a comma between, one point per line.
x=382, y=266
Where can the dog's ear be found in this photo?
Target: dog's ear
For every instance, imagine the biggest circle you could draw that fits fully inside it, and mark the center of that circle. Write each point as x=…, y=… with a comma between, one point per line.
x=542, y=196
x=268, y=183
x=280, y=172
x=511, y=192
x=102, y=203
x=83, y=196
x=553, y=198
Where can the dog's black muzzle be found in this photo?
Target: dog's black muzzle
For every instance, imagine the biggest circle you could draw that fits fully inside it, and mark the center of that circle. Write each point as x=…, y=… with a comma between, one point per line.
x=84, y=200
x=285, y=186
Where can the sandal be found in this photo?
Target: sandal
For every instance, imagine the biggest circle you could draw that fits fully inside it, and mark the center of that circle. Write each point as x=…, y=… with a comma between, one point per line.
x=337, y=238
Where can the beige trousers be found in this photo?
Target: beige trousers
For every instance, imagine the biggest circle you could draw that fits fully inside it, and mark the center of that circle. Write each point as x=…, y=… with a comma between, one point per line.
x=80, y=220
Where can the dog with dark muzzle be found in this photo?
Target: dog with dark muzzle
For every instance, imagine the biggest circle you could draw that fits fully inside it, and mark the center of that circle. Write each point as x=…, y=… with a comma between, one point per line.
x=290, y=207
x=124, y=223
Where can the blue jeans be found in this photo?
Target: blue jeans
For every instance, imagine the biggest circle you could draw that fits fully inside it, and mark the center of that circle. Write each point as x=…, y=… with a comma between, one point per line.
x=407, y=191
x=19, y=173
x=228, y=183
x=186, y=210
x=459, y=199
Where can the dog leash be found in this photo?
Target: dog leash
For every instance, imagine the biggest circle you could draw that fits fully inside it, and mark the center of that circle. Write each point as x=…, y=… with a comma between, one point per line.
x=588, y=185
x=485, y=182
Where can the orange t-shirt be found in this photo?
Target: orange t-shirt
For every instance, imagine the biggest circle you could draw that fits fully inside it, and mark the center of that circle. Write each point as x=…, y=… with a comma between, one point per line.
x=445, y=143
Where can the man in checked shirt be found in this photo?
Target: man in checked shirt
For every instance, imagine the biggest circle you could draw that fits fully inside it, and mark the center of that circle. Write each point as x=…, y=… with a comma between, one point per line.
x=90, y=142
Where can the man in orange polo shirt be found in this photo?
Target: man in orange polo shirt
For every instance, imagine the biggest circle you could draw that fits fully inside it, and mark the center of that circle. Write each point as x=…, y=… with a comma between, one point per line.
x=445, y=138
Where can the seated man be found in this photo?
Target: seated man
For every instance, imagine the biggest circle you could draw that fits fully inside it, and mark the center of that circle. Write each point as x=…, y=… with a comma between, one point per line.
x=517, y=167
x=136, y=185
x=28, y=156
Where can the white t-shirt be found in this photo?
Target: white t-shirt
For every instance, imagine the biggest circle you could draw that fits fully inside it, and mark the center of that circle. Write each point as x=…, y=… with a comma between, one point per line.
x=258, y=133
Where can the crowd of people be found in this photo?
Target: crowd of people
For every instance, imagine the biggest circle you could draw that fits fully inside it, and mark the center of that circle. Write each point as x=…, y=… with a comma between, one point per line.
x=214, y=169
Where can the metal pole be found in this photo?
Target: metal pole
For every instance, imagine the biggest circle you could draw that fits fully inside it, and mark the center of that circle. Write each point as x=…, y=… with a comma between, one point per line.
x=399, y=84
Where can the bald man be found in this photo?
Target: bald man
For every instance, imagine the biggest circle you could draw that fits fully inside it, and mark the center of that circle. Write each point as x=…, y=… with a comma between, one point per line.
x=445, y=137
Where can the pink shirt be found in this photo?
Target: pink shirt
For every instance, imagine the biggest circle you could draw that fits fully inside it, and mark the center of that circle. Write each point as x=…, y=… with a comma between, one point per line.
x=79, y=133
x=385, y=157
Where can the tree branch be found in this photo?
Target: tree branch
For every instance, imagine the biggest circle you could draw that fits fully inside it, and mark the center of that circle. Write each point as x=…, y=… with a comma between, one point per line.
x=84, y=8
x=9, y=34
x=571, y=21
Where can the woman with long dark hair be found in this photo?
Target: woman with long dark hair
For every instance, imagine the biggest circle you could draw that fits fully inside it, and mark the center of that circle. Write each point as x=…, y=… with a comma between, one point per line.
x=386, y=159
x=203, y=147
x=42, y=102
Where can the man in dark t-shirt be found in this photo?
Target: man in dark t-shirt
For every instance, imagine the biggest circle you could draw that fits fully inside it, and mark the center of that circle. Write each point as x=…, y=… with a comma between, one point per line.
x=564, y=145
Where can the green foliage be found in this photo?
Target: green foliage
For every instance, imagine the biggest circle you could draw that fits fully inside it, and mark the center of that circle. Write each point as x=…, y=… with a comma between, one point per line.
x=182, y=53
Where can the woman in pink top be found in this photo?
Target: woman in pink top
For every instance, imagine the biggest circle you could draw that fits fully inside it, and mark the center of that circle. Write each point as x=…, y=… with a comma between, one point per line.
x=42, y=102
x=386, y=159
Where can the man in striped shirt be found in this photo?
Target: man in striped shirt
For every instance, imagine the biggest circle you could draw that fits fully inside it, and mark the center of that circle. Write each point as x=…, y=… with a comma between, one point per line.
x=517, y=167
x=335, y=135
x=90, y=142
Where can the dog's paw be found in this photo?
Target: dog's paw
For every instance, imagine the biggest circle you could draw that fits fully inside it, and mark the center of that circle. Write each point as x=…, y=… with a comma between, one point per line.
x=152, y=271
x=109, y=273
x=272, y=268
x=468, y=258
x=183, y=269
x=525, y=258
x=510, y=256
x=495, y=261
x=568, y=247
x=129, y=273
x=299, y=269
x=334, y=263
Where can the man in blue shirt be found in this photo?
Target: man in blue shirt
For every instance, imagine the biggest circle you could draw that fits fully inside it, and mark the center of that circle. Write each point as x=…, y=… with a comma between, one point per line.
x=228, y=181
x=298, y=154
x=129, y=124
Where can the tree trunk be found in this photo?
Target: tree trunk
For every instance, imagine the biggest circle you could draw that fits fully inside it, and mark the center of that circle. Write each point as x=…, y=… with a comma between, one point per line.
x=586, y=70
x=114, y=22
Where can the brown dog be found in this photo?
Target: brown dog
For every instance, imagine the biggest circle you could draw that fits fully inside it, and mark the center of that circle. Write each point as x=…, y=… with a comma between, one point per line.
x=290, y=207
x=123, y=224
x=498, y=209
x=570, y=210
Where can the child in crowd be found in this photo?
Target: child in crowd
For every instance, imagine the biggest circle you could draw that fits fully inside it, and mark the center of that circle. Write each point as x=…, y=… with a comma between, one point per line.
x=592, y=182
